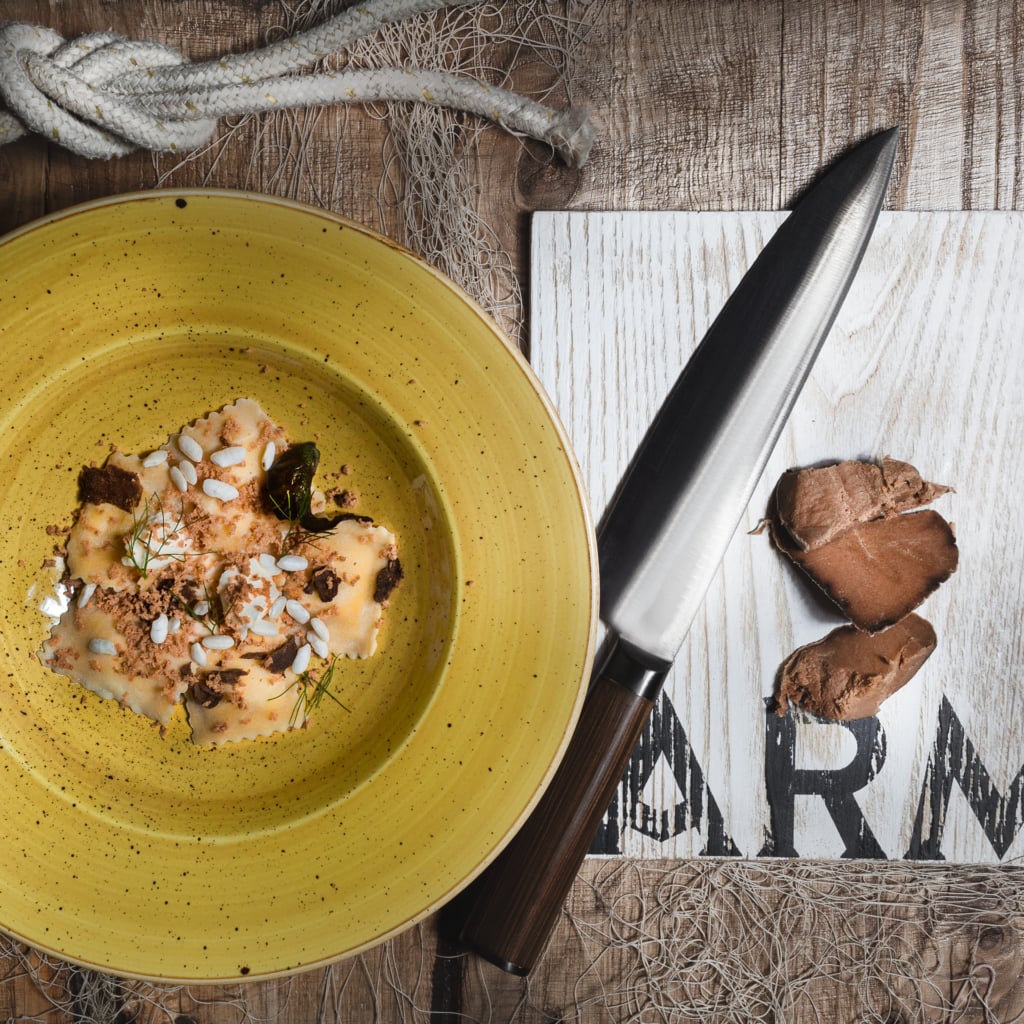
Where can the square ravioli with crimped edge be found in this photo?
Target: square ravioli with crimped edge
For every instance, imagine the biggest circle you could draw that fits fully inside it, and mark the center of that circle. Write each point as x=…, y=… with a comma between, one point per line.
x=207, y=573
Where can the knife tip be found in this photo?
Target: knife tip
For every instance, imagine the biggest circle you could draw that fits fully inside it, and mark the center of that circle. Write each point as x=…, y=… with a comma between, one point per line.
x=872, y=157
x=889, y=138
x=867, y=166
x=881, y=147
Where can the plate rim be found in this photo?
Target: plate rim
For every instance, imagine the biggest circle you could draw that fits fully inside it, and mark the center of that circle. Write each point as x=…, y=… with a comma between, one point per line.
x=581, y=507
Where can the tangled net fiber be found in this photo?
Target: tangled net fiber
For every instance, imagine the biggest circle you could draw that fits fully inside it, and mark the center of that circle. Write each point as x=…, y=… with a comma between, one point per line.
x=428, y=68
x=649, y=942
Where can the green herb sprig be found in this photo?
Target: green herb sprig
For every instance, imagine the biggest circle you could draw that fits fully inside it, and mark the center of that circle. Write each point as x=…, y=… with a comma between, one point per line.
x=213, y=619
x=140, y=537
x=311, y=692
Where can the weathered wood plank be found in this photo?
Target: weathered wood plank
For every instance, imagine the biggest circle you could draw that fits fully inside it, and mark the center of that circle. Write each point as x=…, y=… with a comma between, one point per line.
x=993, y=106
x=686, y=100
x=946, y=73
x=699, y=105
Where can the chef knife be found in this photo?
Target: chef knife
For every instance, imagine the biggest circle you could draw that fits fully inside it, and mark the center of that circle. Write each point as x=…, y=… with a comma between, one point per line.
x=668, y=527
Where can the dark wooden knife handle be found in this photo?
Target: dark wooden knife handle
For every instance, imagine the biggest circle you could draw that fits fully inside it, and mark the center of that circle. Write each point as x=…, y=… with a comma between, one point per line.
x=512, y=907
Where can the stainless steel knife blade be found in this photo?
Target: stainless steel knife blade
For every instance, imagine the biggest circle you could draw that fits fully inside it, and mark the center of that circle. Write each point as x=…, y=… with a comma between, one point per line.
x=690, y=482
x=669, y=525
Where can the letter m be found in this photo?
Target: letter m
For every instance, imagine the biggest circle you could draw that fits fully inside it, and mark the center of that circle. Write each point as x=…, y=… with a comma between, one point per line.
x=954, y=760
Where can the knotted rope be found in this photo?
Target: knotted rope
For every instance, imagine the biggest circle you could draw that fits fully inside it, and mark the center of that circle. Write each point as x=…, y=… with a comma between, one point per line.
x=101, y=95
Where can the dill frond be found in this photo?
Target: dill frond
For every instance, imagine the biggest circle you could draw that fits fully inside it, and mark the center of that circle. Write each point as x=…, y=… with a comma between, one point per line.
x=312, y=690
x=141, y=547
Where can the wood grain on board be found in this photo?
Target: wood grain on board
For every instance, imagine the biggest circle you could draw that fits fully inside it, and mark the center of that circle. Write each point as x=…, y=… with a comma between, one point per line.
x=923, y=364
x=704, y=105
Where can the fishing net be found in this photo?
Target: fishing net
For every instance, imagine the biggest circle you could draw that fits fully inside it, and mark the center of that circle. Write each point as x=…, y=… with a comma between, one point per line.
x=428, y=195
x=651, y=941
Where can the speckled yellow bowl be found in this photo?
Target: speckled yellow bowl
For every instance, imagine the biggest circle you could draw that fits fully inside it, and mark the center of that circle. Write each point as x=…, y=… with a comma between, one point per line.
x=144, y=855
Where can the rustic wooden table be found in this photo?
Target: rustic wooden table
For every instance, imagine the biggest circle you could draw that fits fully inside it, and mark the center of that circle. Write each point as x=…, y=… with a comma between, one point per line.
x=704, y=104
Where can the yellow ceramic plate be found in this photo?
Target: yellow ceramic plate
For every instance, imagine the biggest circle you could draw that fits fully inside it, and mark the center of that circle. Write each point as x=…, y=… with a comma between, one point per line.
x=144, y=855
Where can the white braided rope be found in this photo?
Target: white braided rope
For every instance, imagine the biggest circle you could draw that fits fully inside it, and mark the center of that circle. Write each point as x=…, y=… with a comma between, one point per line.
x=102, y=96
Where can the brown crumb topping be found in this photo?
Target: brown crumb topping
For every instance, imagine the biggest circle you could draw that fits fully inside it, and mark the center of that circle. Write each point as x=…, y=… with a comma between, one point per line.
x=346, y=499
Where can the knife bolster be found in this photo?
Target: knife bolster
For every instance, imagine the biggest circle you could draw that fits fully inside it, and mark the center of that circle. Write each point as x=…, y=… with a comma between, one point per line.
x=634, y=670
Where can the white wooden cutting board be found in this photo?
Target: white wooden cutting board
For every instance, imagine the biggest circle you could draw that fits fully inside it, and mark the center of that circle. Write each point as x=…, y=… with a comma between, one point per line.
x=925, y=363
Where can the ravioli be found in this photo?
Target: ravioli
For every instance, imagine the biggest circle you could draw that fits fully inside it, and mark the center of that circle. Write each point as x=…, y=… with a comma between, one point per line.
x=187, y=587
